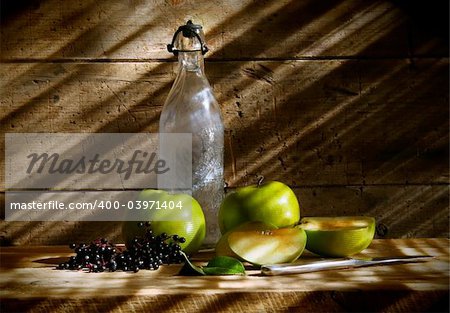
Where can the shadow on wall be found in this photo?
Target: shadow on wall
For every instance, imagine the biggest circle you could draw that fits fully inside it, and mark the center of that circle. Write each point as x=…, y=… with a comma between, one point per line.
x=11, y=10
x=336, y=99
x=429, y=26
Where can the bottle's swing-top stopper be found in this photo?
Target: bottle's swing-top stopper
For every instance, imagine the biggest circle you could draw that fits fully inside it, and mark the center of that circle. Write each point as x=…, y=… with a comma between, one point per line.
x=190, y=30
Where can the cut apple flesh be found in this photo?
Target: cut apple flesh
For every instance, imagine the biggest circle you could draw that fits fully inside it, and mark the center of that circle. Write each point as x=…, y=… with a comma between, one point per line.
x=223, y=247
x=338, y=236
x=335, y=223
x=268, y=246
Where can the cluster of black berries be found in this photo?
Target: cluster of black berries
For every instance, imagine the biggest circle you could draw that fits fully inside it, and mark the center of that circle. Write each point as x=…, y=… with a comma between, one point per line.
x=146, y=252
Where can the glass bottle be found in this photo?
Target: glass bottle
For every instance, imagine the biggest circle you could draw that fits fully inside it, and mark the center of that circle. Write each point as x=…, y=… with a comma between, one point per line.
x=192, y=108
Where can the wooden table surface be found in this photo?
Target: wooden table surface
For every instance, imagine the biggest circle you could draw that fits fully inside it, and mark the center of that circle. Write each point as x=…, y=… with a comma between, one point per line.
x=29, y=283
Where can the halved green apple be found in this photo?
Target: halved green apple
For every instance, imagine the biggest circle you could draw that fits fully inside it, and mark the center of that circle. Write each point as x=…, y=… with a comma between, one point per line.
x=223, y=247
x=268, y=246
x=338, y=236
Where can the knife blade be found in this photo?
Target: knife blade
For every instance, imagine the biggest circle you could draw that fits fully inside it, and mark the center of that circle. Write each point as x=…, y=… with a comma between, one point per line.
x=306, y=266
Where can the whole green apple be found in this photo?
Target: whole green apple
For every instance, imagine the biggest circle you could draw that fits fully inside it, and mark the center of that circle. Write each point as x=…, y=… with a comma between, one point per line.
x=189, y=224
x=271, y=202
x=231, y=213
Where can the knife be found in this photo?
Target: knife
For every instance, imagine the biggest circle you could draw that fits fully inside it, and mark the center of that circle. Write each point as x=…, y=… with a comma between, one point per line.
x=306, y=266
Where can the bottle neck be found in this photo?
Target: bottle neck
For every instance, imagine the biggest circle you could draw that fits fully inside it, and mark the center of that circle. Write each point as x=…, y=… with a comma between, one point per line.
x=191, y=61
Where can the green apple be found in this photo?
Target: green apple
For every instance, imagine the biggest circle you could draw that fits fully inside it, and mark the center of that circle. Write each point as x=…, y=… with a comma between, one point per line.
x=272, y=202
x=222, y=246
x=186, y=223
x=269, y=246
x=130, y=229
x=231, y=213
x=338, y=236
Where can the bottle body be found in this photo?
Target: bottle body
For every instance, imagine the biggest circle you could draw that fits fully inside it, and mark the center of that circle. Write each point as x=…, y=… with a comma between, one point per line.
x=192, y=108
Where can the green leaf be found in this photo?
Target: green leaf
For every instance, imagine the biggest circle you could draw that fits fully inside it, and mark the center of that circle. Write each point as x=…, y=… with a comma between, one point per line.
x=218, y=271
x=190, y=269
x=225, y=262
x=220, y=265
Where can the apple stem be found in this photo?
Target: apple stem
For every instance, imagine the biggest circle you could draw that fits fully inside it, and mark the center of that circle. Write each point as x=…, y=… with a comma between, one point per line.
x=260, y=180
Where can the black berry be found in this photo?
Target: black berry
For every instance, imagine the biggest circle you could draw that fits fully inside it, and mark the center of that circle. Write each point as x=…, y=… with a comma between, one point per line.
x=146, y=252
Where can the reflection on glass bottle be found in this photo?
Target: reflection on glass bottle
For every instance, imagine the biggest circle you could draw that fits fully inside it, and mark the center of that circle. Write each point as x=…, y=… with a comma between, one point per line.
x=191, y=108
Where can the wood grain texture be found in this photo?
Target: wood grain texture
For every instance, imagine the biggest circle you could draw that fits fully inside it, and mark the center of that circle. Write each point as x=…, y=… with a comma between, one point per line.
x=302, y=122
x=234, y=29
x=30, y=282
x=238, y=302
x=400, y=211
x=347, y=102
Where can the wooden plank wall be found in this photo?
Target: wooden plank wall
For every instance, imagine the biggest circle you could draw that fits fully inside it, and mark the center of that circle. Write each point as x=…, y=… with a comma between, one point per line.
x=345, y=101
